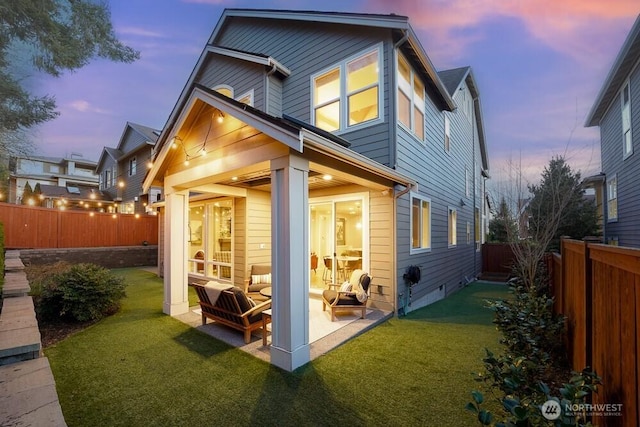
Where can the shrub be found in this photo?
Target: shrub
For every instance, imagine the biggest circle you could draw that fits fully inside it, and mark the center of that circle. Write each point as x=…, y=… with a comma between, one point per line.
x=42, y=276
x=81, y=292
x=534, y=367
x=531, y=329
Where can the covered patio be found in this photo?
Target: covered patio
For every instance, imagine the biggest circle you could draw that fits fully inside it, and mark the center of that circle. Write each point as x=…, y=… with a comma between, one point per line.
x=217, y=149
x=324, y=335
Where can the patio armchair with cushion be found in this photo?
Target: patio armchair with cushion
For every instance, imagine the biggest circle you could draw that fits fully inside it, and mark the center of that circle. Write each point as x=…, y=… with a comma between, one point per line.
x=259, y=278
x=351, y=295
x=230, y=306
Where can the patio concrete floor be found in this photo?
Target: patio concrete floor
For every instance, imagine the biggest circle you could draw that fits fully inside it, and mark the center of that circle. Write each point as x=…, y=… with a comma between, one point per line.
x=324, y=335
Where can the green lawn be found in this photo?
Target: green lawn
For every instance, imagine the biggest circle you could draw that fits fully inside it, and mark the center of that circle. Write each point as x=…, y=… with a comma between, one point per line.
x=143, y=368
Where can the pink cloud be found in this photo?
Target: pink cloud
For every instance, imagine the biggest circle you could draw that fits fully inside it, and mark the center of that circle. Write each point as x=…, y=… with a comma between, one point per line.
x=576, y=28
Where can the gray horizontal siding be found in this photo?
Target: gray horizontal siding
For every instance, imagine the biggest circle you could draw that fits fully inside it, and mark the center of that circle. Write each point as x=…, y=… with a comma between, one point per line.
x=627, y=228
x=441, y=178
x=242, y=76
x=307, y=48
x=274, y=95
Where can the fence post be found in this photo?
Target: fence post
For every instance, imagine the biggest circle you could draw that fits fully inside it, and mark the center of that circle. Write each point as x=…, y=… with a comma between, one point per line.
x=588, y=299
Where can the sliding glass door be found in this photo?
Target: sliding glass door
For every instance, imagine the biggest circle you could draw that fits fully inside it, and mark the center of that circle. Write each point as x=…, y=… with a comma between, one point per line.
x=338, y=235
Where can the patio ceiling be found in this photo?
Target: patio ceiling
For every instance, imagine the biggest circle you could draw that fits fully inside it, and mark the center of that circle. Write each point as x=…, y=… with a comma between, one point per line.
x=261, y=180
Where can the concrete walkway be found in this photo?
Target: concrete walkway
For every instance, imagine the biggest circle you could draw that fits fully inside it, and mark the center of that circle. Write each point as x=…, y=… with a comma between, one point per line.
x=28, y=394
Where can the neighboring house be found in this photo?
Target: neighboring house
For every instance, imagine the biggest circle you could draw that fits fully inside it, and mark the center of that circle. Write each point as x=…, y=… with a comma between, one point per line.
x=307, y=135
x=66, y=183
x=617, y=112
x=122, y=170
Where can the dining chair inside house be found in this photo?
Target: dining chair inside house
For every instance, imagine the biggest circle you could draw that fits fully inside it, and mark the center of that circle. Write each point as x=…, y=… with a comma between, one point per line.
x=328, y=266
x=199, y=265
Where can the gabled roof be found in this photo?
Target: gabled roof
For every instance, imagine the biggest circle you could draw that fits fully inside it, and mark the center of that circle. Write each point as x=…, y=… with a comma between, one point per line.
x=392, y=21
x=453, y=79
x=288, y=130
x=149, y=133
x=150, y=136
x=623, y=65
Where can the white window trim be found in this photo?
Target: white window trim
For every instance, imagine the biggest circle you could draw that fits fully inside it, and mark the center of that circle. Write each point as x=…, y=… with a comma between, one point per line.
x=423, y=249
x=421, y=107
x=447, y=134
x=478, y=219
x=344, y=111
x=130, y=171
x=218, y=87
x=467, y=183
x=625, y=153
x=451, y=210
x=247, y=94
x=614, y=178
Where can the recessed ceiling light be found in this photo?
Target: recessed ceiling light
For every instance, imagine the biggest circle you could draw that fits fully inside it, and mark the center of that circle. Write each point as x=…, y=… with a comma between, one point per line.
x=327, y=177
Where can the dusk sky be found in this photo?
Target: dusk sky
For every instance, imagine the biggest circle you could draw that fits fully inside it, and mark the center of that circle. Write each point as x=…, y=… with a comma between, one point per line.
x=539, y=65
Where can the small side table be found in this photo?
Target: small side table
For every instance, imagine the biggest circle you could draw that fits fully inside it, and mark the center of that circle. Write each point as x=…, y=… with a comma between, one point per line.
x=266, y=292
x=266, y=319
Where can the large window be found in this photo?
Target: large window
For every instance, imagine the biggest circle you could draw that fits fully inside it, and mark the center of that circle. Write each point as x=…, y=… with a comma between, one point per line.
x=210, y=237
x=420, y=223
x=453, y=225
x=612, y=198
x=348, y=94
x=627, y=145
x=410, y=99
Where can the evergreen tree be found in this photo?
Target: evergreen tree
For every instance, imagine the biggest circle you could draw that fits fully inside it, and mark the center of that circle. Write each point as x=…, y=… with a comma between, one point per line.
x=51, y=36
x=503, y=228
x=559, y=198
x=27, y=194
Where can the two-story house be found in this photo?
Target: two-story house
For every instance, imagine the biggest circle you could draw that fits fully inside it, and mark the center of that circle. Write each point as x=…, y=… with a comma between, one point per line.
x=122, y=170
x=307, y=135
x=617, y=112
x=63, y=182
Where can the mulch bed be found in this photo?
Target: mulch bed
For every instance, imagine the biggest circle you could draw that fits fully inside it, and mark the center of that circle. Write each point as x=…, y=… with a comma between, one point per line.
x=52, y=332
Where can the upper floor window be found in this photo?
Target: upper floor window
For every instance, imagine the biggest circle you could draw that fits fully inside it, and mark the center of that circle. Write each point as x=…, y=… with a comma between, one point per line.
x=132, y=166
x=612, y=198
x=467, y=182
x=107, y=178
x=447, y=134
x=348, y=94
x=453, y=227
x=420, y=223
x=627, y=144
x=464, y=99
x=225, y=90
x=246, y=98
x=410, y=99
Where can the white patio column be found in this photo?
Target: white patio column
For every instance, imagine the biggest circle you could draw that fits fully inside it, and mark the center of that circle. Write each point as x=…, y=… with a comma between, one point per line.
x=289, y=262
x=176, y=300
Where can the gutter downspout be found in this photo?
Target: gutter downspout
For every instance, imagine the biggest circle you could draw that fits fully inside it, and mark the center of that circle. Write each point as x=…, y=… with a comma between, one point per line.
x=393, y=161
x=393, y=125
x=267, y=92
x=405, y=298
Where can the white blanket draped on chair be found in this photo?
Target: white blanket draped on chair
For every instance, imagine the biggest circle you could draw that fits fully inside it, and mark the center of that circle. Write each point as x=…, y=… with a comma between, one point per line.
x=213, y=290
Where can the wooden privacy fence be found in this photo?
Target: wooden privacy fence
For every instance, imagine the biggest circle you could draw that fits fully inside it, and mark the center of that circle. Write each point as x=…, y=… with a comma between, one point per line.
x=37, y=228
x=598, y=290
x=497, y=259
